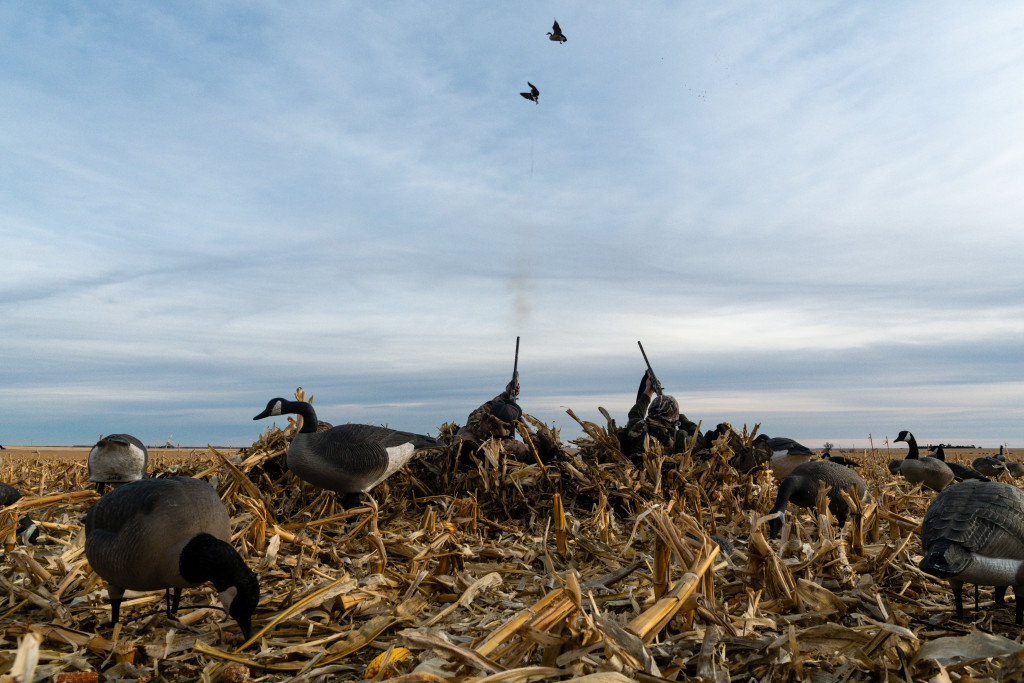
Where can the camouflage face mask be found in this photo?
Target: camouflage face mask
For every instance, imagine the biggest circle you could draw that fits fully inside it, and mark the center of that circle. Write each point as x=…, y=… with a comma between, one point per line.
x=664, y=409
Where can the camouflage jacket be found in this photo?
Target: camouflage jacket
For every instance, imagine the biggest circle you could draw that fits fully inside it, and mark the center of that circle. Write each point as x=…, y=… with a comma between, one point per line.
x=673, y=434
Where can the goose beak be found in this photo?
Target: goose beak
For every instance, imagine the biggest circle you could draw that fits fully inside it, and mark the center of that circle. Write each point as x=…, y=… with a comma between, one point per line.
x=265, y=413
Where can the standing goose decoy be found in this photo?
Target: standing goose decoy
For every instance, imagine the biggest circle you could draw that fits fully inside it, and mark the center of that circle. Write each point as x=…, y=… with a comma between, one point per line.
x=533, y=95
x=929, y=472
x=348, y=459
x=168, y=533
x=989, y=466
x=116, y=459
x=974, y=533
x=787, y=454
x=801, y=488
x=960, y=472
x=556, y=33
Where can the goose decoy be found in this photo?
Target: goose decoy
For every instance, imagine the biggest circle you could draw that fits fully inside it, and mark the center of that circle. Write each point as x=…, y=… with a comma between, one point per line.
x=973, y=532
x=989, y=466
x=533, y=95
x=27, y=531
x=556, y=33
x=787, y=454
x=1015, y=469
x=170, y=533
x=929, y=472
x=841, y=460
x=116, y=459
x=348, y=459
x=960, y=472
x=801, y=488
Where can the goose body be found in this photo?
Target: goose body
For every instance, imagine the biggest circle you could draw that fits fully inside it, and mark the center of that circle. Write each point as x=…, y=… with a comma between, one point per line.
x=116, y=459
x=973, y=532
x=989, y=466
x=929, y=472
x=348, y=459
x=1015, y=469
x=960, y=472
x=801, y=489
x=533, y=95
x=787, y=454
x=555, y=33
x=170, y=533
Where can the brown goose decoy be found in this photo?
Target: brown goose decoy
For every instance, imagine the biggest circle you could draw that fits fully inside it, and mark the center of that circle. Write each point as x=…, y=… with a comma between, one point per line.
x=170, y=533
x=533, y=95
x=801, y=488
x=973, y=532
x=348, y=459
x=556, y=33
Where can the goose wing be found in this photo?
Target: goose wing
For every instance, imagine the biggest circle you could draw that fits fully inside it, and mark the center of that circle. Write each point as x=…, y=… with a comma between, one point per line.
x=984, y=517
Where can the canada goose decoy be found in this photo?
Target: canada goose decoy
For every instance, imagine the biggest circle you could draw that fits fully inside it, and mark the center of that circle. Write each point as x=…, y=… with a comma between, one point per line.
x=841, y=460
x=1015, y=469
x=801, y=488
x=533, y=95
x=973, y=532
x=929, y=472
x=960, y=472
x=556, y=33
x=116, y=459
x=348, y=459
x=170, y=533
x=27, y=531
x=787, y=454
x=989, y=466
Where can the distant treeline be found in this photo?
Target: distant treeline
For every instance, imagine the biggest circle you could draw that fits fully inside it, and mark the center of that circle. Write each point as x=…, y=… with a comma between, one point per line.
x=949, y=445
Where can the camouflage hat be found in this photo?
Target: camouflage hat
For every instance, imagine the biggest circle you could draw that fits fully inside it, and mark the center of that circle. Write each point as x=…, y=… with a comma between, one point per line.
x=507, y=411
x=664, y=408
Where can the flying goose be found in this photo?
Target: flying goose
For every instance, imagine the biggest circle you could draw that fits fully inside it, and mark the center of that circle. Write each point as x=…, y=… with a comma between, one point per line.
x=973, y=532
x=533, y=95
x=929, y=472
x=960, y=472
x=556, y=33
x=116, y=459
x=801, y=488
x=170, y=533
x=348, y=459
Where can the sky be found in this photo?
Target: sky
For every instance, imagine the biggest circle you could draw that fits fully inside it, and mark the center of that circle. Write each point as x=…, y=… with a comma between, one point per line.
x=810, y=213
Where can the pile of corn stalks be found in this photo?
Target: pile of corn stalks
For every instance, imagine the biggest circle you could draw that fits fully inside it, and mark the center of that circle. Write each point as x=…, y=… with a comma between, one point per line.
x=471, y=567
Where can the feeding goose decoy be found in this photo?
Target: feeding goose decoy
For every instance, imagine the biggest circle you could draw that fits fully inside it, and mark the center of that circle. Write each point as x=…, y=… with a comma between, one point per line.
x=801, y=488
x=170, y=533
x=116, y=459
x=929, y=472
x=841, y=460
x=27, y=531
x=348, y=459
x=1015, y=469
x=556, y=33
x=960, y=472
x=533, y=95
x=989, y=466
x=787, y=454
x=973, y=532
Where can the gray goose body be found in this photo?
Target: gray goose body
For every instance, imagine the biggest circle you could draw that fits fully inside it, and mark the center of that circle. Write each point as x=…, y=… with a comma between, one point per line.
x=348, y=459
x=170, y=533
x=973, y=532
x=801, y=489
x=116, y=459
x=989, y=466
x=960, y=472
x=787, y=455
x=929, y=472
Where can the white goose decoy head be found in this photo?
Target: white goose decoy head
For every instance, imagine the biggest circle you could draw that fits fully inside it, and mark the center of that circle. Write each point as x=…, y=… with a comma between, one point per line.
x=348, y=459
x=116, y=459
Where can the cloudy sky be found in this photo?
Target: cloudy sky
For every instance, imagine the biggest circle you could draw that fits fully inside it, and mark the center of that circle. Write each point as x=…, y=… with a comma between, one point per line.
x=810, y=212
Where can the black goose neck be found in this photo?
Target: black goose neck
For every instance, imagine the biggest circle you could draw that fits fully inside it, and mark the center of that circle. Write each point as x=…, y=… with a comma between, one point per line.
x=309, y=421
x=912, y=443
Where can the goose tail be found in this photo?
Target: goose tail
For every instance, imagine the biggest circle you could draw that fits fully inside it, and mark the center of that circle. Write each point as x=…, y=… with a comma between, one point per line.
x=945, y=559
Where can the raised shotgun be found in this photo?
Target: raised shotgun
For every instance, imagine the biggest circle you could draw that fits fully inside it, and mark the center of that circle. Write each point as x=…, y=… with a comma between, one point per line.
x=650, y=371
x=513, y=393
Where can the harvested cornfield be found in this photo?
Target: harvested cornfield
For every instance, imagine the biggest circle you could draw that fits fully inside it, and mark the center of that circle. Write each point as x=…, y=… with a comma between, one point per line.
x=465, y=568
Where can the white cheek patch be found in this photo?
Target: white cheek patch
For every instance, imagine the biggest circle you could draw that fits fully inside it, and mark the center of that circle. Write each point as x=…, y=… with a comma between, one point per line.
x=227, y=596
x=277, y=409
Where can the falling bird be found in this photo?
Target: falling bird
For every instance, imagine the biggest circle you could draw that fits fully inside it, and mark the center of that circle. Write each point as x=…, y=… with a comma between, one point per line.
x=533, y=94
x=556, y=33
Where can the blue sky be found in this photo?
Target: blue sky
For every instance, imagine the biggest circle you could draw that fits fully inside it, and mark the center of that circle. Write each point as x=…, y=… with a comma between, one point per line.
x=811, y=214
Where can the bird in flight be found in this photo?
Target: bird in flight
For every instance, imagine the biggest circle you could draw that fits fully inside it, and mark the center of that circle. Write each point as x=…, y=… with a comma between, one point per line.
x=556, y=33
x=533, y=94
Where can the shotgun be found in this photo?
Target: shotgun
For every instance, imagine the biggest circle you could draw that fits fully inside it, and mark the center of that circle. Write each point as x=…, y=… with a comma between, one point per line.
x=650, y=371
x=513, y=393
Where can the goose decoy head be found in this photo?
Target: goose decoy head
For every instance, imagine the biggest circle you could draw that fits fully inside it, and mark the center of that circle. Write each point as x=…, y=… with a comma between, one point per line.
x=275, y=407
x=533, y=95
x=904, y=436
